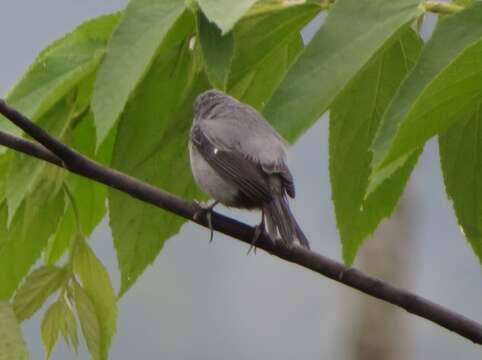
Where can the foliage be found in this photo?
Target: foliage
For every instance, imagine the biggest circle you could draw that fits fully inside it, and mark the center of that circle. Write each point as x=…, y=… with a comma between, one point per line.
x=119, y=88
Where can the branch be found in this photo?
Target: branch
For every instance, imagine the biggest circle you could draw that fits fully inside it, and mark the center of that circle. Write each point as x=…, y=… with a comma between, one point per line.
x=59, y=154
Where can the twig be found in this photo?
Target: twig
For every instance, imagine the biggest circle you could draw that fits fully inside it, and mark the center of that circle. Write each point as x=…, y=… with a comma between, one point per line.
x=59, y=154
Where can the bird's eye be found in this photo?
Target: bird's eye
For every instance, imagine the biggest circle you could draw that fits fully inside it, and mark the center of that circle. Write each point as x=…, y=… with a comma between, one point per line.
x=215, y=151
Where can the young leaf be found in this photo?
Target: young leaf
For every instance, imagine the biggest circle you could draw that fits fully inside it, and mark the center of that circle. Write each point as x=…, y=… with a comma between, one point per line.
x=130, y=54
x=59, y=67
x=163, y=104
x=338, y=51
x=354, y=118
x=96, y=282
x=443, y=85
x=52, y=324
x=38, y=286
x=225, y=13
x=88, y=322
x=22, y=243
x=461, y=159
x=12, y=344
x=69, y=330
x=217, y=51
x=265, y=47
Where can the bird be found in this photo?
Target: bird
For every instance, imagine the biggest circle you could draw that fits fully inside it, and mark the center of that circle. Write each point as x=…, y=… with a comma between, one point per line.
x=240, y=161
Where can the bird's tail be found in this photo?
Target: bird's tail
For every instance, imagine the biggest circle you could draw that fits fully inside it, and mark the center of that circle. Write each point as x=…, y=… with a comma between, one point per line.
x=282, y=224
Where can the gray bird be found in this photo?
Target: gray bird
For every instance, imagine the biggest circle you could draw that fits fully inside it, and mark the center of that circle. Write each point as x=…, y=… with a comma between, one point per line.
x=240, y=161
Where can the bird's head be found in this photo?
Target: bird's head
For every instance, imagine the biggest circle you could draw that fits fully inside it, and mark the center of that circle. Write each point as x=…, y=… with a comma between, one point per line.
x=207, y=100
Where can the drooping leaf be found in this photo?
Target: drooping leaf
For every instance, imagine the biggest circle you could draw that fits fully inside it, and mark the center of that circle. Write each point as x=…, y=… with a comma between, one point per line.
x=354, y=118
x=22, y=243
x=38, y=286
x=89, y=196
x=58, y=319
x=265, y=47
x=217, y=51
x=337, y=52
x=131, y=51
x=225, y=13
x=163, y=103
x=59, y=67
x=96, y=282
x=461, y=159
x=12, y=344
x=89, y=322
x=25, y=171
x=443, y=85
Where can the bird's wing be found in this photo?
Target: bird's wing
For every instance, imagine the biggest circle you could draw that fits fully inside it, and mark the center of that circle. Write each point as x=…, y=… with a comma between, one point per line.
x=264, y=146
x=233, y=166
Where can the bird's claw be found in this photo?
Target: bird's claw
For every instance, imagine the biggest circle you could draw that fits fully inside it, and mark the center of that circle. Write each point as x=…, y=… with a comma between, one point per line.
x=205, y=210
x=258, y=230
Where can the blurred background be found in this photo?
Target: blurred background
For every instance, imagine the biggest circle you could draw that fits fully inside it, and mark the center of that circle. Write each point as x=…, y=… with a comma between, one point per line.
x=211, y=301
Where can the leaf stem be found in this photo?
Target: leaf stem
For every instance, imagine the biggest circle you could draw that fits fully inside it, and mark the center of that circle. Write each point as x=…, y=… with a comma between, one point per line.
x=75, y=209
x=441, y=8
x=79, y=236
x=266, y=7
x=263, y=8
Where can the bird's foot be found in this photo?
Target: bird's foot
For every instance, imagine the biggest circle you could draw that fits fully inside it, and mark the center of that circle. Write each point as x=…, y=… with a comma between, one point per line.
x=207, y=211
x=258, y=230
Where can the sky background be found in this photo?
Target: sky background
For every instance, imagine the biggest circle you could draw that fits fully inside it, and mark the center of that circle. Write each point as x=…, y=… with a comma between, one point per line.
x=211, y=301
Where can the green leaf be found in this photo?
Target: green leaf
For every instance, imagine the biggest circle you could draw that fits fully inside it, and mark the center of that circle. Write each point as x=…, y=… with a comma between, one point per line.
x=96, y=282
x=259, y=84
x=163, y=104
x=354, y=118
x=265, y=47
x=25, y=171
x=38, y=286
x=130, y=54
x=58, y=319
x=443, y=85
x=90, y=197
x=461, y=159
x=225, y=13
x=217, y=51
x=12, y=344
x=4, y=165
x=59, y=67
x=59, y=242
x=354, y=31
x=464, y=3
x=21, y=244
x=88, y=321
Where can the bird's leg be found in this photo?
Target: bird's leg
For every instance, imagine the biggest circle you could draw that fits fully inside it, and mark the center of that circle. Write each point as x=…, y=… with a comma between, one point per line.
x=206, y=210
x=258, y=230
